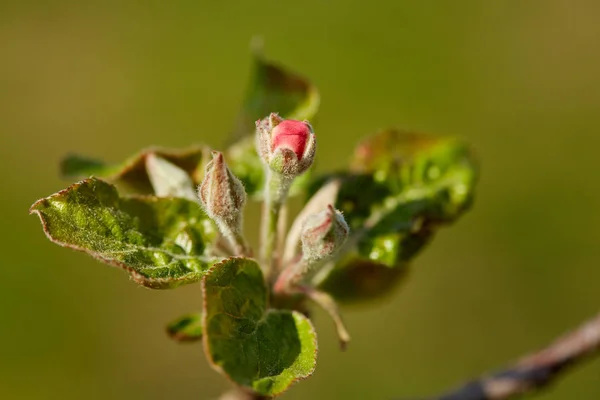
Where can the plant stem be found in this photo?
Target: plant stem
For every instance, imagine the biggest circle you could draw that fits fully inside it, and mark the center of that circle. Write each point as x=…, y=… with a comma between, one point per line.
x=237, y=241
x=281, y=234
x=276, y=190
x=328, y=304
x=287, y=283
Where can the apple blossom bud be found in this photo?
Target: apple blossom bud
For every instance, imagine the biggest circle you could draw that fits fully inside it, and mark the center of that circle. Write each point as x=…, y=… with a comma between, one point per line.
x=323, y=234
x=286, y=146
x=222, y=195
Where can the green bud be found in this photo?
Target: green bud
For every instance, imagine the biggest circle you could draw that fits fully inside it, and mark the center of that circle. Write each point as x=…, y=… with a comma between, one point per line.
x=323, y=234
x=223, y=197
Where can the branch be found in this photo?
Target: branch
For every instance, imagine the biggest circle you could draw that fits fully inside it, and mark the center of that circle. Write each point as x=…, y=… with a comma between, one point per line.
x=536, y=370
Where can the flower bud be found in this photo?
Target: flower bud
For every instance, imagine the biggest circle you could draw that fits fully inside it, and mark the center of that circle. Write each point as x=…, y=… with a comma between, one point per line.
x=222, y=194
x=323, y=234
x=286, y=146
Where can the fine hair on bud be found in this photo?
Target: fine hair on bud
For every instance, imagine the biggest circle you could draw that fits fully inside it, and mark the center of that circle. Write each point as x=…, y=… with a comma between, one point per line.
x=323, y=234
x=287, y=146
x=222, y=194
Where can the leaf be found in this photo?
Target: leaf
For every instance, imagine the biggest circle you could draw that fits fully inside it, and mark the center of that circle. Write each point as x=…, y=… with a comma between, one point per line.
x=402, y=187
x=362, y=280
x=244, y=162
x=133, y=176
x=187, y=328
x=273, y=88
x=264, y=350
x=161, y=242
x=74, y=165
x=168, y=179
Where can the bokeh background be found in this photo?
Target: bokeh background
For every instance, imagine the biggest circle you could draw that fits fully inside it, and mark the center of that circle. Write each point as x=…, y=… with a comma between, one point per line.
x=519, y=80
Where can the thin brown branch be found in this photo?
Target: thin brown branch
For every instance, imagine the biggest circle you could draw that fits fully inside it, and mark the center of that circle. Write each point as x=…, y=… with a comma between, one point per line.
x=536, y=370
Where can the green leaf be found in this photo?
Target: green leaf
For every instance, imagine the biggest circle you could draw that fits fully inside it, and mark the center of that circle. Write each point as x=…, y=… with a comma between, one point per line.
x=134, y=175
x=187, y=328
x=264, y=350
x=74, y=165
x=161, y=242
x=362, y=280
x=273, y=88
x=243, y=160
x=168, y=179
x=402, y=187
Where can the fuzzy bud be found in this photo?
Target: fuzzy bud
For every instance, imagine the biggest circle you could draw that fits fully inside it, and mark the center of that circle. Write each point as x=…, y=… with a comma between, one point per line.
x=286, y=146
x=222, y=195
x=323, y=234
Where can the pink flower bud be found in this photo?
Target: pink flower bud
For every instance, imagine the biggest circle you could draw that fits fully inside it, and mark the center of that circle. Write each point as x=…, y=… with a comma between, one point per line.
x=292, y=135
x=287, y=146
x=323, y=234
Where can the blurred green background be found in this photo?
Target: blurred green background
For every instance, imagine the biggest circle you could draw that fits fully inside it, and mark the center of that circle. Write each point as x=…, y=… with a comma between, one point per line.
x=519, y=80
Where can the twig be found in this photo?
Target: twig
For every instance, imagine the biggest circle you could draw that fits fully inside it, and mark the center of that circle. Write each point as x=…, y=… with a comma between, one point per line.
x=536, y=370
x=329, y=305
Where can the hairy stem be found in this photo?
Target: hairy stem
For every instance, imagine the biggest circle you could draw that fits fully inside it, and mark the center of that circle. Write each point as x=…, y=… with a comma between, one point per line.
x=281, y=230
x=237, y=241
x=287, y=283
x=327, y=303
x=536, y=370
x=276, y=190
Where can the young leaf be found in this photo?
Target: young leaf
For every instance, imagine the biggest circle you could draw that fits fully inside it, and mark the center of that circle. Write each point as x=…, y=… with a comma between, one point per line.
x=161, y=242
x=74, y=165
x=187, y=328
x=273, y=88
x=133, y=176
x=361, y=280
x=168, y=180
x=264, y=350
x=402, y=187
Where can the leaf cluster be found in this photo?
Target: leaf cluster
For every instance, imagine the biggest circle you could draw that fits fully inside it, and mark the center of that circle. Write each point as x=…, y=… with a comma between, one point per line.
x=143, y=216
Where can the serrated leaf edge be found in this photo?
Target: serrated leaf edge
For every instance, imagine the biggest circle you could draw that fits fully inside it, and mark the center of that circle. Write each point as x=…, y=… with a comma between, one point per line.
x=150, y=283
x=206, y=345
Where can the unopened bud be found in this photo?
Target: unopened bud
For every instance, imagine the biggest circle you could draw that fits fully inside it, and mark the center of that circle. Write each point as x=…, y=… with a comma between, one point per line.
x=323, y=234
x=286, y=146
x=222, y=194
